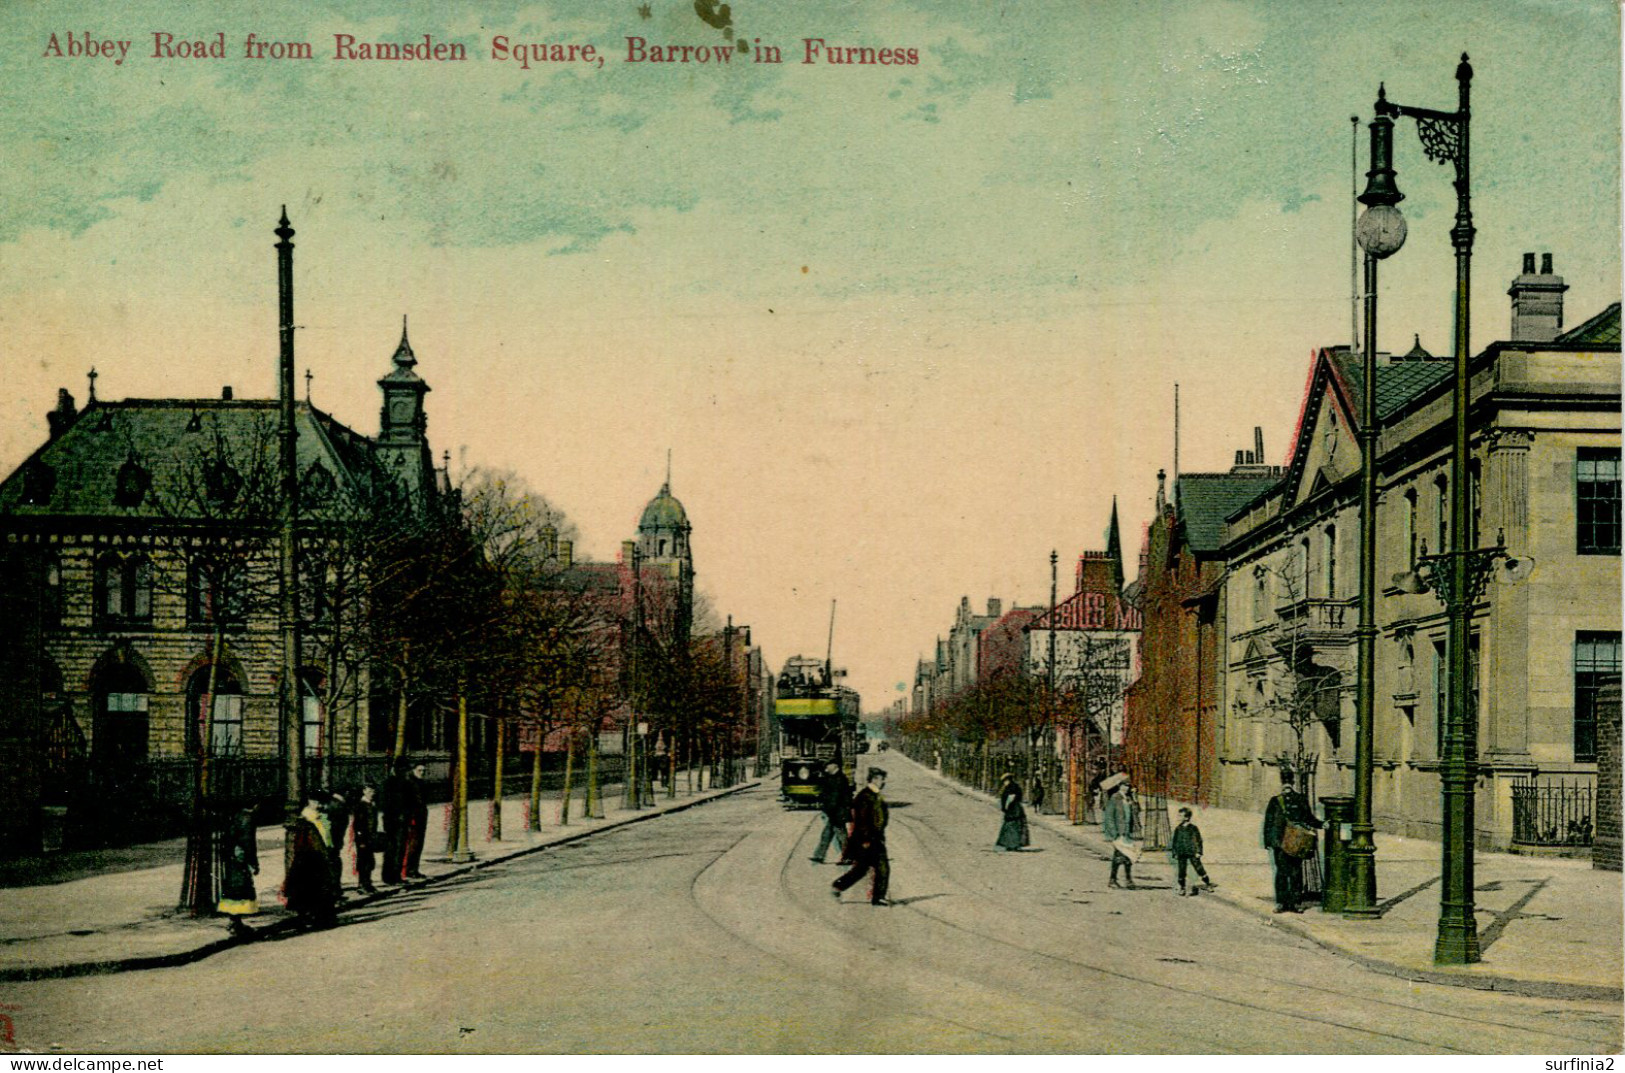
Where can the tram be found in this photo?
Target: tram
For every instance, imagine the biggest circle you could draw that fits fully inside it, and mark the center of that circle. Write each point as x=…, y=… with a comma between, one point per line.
x=817, y=722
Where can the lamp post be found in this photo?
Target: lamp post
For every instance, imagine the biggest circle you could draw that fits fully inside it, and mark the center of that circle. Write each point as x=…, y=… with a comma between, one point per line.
x=1457, y=577
x=1380, y=232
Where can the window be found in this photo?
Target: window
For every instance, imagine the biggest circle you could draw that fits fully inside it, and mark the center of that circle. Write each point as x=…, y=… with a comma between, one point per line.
x=1596, y=659
x=51, y=591
x=1331, y=562
x=133, y=482
x=1410, y=529
x=1441, y=680
x=1261, y=594
x=1441, y=520
x=1475, y=497
x=311, y=719
x=214, y=593
x=1303, y=559
x=217, y=720
x=124, y=584
x=1596, y=491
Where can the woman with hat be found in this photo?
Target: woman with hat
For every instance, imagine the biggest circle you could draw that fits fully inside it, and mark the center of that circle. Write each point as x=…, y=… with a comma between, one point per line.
x=1013, y=834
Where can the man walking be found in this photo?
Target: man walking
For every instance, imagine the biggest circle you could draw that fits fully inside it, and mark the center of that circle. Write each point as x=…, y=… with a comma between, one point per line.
x=1117, y=824
x=868, y=846
x=835, y=801
x=1287, y=809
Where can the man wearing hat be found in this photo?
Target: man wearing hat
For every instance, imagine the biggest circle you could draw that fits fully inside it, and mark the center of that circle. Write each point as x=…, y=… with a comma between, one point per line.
x=868, y=842
x=1287, y=807
x=1117, y=824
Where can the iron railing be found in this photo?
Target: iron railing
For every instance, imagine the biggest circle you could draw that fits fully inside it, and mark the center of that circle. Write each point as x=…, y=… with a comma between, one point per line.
x=1554, y=811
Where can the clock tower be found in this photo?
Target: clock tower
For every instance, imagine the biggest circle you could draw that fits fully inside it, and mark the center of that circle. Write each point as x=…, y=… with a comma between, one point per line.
x=403, y=446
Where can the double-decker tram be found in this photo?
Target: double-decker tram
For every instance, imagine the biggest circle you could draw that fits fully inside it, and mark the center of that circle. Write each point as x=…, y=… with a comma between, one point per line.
x=818, y=722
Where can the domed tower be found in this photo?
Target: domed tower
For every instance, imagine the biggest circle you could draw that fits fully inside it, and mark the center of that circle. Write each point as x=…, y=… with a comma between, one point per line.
x=663, y=547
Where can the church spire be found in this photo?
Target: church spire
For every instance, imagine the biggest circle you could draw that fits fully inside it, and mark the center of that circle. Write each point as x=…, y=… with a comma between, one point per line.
x=1114, y=547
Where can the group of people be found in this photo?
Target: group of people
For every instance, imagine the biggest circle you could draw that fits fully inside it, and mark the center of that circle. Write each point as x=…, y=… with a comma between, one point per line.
x=393, y=829
x=856, y=824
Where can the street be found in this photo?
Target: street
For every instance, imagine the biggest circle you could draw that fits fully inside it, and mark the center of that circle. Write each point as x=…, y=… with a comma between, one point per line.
x=710, y=930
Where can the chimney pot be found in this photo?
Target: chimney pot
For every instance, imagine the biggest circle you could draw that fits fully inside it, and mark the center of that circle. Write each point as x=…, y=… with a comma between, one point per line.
x=225, y=393
x=60, y=418
x=1528, y=264
x=1545, y=264
x=1241, y=458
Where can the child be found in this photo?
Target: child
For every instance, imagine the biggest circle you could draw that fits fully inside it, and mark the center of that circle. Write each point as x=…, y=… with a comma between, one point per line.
x=1187, y=849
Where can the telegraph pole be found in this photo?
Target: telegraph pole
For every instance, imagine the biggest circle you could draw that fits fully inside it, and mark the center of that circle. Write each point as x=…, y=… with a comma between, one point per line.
x=287, y=437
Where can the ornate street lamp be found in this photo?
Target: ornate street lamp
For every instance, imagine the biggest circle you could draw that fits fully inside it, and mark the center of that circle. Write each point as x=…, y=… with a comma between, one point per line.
x=1444, y=138
x=1380, y=233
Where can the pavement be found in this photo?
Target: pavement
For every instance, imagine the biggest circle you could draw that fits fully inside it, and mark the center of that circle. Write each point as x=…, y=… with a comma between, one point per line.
x=87, y=913
x=1548, y=927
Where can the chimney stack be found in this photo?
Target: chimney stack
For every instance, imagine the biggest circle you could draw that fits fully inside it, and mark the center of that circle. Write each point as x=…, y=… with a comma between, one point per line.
x=995, y=607
x=61, y=418
x=1537, y=302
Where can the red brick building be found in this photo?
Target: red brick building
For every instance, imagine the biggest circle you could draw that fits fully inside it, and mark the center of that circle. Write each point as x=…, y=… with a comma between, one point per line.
x=1171, y=711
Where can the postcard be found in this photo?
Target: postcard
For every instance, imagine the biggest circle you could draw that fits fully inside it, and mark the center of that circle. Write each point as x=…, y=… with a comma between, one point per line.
x=681, y=527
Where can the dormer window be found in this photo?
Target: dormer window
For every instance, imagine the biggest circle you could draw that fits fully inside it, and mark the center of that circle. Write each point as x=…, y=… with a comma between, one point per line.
x=222, y=483
x=133, y=482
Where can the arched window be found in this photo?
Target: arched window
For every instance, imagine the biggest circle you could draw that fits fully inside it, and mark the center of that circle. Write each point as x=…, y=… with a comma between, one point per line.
x=217, y=719
x=123, y=587
x=312, y=715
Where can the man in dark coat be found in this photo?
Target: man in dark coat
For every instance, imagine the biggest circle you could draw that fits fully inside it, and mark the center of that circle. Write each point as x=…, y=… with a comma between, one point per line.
x=868, y=845
x=835, y=801
x=366, y=838
x=1289, y=806
x=394, y=810
x=417, y=823
x=337, y=810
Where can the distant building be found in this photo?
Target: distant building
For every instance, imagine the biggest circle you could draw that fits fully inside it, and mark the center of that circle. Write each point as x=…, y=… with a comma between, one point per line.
x=1093, y=633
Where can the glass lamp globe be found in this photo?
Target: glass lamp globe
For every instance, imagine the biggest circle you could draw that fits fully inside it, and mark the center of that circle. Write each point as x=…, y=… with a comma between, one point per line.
x=1380, y=230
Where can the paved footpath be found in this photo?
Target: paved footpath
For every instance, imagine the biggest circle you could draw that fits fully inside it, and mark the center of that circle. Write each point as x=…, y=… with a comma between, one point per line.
x=1548, y=927
x=72, y=918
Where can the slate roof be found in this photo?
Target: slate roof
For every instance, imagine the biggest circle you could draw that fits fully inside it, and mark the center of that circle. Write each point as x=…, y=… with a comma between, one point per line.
x=1397, y=384
x=1206, y=499
x=171, y=440
x=1600, y=330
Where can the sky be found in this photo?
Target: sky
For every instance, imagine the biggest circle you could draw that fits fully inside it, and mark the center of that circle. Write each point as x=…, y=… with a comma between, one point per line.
x=904, y=329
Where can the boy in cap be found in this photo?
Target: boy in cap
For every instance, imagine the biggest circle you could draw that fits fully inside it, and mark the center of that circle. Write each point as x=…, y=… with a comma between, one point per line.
x=1187, y=851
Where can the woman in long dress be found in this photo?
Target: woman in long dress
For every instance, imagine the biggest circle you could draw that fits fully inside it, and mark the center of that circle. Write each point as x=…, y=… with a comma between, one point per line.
x=239, y=864
x=309, y=888
x=1013, y=833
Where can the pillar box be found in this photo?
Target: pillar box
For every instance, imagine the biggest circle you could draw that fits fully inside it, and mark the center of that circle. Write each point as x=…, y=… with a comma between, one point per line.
x=1339, y=810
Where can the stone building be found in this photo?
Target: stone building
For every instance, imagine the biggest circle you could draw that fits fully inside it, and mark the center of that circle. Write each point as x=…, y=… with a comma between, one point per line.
x=141, y=538
x=1545, y=485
